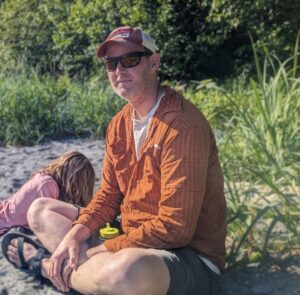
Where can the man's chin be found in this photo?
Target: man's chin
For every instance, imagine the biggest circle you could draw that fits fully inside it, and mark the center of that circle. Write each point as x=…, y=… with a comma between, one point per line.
x=124, y=93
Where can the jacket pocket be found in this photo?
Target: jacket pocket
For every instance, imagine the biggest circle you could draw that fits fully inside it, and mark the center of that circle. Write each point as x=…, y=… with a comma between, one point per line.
x=120, y=159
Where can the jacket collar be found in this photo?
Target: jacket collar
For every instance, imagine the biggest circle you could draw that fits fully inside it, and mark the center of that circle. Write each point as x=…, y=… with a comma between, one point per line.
x=170, y=102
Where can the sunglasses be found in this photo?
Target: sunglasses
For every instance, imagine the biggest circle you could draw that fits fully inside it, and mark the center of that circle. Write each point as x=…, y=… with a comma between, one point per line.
x=127, y=61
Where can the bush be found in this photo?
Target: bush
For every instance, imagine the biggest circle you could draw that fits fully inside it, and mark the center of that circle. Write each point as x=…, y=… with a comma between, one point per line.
x=197, y=40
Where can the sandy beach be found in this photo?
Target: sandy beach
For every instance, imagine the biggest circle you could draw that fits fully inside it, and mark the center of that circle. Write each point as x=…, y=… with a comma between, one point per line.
x=16, y=165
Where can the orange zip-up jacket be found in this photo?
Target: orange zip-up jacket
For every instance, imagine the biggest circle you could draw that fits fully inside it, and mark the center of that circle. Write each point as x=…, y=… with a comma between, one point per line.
x=173, y=195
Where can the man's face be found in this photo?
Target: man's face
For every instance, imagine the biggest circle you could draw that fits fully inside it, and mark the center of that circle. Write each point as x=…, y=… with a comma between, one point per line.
x=129, y=83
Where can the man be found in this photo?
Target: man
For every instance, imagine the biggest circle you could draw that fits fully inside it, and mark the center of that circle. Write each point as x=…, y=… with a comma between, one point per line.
x=161, y=174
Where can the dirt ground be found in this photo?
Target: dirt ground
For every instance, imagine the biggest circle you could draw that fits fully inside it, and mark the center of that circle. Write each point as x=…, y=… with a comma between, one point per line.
x=16, y=164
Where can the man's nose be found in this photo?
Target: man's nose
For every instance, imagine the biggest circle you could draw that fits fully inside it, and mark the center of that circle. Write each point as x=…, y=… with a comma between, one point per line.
x=120, y=68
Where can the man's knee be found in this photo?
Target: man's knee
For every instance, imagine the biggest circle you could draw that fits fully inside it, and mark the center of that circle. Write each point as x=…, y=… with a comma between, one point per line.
x=138, y=271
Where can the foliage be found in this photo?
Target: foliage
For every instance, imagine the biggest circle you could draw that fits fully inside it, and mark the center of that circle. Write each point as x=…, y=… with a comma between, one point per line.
x=78, y=34
x=260, y=156
x=33, y=108
x=196, y=39
x=26, y=33
x=272, y=23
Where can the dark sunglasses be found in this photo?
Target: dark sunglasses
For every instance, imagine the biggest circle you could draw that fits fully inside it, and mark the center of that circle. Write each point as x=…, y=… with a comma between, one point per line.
x=128, y=60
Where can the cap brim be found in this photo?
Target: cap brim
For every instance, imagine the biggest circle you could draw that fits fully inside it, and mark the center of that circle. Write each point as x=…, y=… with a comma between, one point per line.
x=101, y=49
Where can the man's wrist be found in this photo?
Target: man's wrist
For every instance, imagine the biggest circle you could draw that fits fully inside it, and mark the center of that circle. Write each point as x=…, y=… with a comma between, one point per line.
x=78, y=232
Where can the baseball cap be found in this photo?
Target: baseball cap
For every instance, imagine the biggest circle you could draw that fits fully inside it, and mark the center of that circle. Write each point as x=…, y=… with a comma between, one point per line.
x=134, y=35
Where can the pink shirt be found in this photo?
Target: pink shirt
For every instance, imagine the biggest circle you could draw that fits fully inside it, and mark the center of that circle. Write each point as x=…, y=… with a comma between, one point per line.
x=13, y=211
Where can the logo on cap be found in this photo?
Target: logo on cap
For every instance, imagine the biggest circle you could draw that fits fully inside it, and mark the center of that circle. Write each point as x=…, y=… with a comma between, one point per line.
x=121, y=35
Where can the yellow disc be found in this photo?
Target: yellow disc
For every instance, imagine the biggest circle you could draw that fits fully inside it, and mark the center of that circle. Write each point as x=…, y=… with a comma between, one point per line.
x=109, y=232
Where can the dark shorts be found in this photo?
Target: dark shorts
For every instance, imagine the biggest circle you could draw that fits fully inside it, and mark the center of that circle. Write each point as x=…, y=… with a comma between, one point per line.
x=189, y=274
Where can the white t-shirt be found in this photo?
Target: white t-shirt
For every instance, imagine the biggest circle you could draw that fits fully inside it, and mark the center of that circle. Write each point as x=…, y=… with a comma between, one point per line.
x=141, y=126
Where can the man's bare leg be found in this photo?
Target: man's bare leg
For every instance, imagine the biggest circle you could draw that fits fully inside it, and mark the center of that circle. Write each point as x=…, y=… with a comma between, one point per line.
x=129, y=271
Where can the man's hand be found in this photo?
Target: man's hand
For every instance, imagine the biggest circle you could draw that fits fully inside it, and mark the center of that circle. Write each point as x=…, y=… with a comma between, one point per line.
x=66, y=253
x=65, y=258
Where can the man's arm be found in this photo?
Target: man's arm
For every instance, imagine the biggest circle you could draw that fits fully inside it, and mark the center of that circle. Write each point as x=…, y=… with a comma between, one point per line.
x=67, y=257
x=67, y=249
x=105, y=205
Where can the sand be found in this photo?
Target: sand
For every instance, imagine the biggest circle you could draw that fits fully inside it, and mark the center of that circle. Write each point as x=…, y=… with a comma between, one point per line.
x=16, y=165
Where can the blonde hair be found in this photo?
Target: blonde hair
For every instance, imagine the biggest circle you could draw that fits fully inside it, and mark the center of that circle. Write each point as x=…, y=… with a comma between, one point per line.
x=75, y=177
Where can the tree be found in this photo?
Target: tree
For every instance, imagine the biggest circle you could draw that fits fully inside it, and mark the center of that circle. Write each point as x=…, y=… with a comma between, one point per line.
x=196, y=39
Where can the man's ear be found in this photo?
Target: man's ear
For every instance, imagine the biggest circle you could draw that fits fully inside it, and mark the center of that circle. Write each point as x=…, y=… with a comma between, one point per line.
x=155, y=62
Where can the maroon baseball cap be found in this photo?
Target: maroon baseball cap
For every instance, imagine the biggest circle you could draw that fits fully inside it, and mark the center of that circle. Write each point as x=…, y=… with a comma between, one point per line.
x=132, y=35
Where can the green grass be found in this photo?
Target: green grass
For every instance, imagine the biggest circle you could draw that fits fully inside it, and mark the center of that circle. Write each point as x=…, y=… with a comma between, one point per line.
x=270, y=153
x=33, y=108
x=261, y=156
x=257, y=125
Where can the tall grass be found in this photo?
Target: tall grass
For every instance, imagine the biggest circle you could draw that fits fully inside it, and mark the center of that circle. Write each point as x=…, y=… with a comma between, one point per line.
x=33, y=108
x=261, y=157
